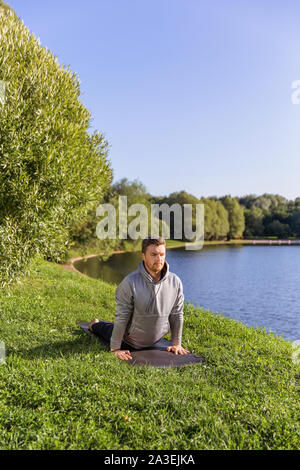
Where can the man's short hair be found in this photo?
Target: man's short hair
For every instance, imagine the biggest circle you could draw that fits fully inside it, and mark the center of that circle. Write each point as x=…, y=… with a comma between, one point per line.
x=152, y=240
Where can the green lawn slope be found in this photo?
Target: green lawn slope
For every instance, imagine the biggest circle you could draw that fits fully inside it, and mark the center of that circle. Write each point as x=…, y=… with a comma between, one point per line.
x=60, y=390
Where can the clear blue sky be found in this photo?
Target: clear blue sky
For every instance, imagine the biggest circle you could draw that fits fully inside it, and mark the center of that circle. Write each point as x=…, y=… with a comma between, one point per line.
x=190, y=94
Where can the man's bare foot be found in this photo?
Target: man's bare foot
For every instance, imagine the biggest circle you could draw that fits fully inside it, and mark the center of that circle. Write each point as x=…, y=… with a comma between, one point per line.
x=95, y=320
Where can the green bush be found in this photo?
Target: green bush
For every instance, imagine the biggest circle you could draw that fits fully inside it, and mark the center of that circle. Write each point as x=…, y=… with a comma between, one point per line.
x=52, y=171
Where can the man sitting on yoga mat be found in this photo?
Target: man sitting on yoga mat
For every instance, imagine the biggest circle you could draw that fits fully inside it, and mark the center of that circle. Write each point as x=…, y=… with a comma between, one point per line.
x=149, y=302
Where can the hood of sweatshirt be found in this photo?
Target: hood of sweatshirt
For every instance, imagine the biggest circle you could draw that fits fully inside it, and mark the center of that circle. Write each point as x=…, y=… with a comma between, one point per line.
x=154, y=287
x=149, y=278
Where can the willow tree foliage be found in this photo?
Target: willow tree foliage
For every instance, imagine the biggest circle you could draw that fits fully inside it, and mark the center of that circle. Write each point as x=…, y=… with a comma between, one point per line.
x=235, y=216
x=216, y=224
x=52, y=170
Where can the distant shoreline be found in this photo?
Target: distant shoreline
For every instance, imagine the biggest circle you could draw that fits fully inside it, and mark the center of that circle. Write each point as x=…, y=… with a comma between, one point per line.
x=70, y=265
x=266, y=241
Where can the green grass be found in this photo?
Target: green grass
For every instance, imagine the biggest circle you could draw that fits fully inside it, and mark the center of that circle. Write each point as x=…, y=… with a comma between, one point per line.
x=60, y=390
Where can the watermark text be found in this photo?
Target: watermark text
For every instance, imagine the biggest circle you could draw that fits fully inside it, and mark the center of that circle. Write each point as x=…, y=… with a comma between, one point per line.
x=184, y=225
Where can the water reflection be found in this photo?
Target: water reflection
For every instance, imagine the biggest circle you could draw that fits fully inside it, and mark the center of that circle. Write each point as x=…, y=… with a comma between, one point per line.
x=113, y=270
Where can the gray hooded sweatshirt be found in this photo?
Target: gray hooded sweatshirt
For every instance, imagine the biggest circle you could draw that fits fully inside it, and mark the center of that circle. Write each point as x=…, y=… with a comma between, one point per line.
x=147, y=310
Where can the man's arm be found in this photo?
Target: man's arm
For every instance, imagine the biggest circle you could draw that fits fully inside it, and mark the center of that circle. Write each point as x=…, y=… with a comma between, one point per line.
x=176, y=317
x=125, y=306
x=176, y=323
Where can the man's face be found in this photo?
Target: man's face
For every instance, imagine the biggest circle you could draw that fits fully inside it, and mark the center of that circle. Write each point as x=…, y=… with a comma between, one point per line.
x=154, y=258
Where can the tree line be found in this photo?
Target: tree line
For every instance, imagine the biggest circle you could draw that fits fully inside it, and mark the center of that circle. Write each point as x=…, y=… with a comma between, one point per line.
x=225, y=217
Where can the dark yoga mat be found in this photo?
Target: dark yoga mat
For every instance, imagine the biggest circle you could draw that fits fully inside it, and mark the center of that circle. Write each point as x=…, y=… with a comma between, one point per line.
x=155, y=356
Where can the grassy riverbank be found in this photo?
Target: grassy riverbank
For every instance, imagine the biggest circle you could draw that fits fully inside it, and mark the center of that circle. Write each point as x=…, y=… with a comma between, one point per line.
x=60, y=390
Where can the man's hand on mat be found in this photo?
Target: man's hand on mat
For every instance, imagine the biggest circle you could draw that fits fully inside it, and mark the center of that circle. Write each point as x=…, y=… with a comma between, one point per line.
x=176, y=349
x=123, y=354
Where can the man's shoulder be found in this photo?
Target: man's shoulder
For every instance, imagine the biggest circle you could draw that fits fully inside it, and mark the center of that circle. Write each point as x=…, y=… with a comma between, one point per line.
x=174, y=277
x=130, y=277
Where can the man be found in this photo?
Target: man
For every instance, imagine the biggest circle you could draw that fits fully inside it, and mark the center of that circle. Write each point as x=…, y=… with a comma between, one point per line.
x=149, y=302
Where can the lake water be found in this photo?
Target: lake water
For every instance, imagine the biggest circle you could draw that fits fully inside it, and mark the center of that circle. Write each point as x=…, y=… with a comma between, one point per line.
x=257, y=285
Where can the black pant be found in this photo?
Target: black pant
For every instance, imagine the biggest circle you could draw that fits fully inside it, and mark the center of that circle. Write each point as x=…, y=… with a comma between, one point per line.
x=104, y=330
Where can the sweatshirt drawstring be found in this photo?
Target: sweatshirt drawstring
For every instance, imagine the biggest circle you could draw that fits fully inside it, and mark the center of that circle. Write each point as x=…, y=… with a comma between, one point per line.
x=152, y=299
